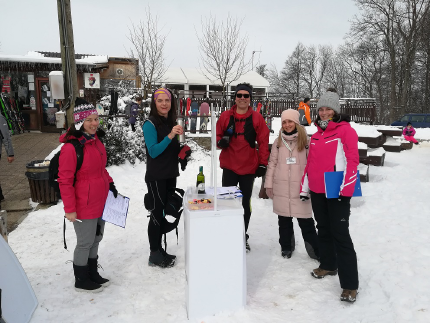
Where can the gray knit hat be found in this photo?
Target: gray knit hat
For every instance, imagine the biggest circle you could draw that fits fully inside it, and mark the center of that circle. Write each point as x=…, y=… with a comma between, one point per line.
x=329, y=100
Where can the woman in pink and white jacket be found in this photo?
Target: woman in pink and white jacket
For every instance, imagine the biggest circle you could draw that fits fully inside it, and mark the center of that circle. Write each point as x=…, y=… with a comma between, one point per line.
x=334, y=147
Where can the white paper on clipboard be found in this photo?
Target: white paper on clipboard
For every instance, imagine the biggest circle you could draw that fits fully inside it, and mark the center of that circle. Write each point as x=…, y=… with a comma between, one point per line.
x=116, y=209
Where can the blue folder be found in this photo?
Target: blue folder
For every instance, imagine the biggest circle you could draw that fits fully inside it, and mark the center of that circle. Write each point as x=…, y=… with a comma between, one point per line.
x=333, y=181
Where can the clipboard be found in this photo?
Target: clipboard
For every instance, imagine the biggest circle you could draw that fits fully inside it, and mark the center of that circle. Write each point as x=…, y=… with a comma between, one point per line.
x=333, y=181
x=116, y=209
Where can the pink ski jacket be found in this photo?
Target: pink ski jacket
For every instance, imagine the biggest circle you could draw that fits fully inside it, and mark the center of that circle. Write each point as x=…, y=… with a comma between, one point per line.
x=409, y=131
x=88, y=195
x=332, y=149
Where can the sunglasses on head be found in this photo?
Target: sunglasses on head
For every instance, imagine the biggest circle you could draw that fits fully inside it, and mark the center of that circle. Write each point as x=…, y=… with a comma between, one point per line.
x=239, y=95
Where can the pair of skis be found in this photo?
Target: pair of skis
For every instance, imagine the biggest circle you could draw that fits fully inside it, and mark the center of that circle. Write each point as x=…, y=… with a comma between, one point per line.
x=12, y=114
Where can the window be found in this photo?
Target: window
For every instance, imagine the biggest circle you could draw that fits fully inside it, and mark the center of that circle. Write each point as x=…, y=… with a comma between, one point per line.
x=428, y=119
x=405, y=119
x=418, y=118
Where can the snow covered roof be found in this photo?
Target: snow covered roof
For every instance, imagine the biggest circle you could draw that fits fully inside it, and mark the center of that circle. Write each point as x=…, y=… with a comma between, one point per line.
x=36, y=57
x=182, y=75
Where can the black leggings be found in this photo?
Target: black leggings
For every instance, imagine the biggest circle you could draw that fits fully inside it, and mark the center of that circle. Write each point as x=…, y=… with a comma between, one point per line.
x=158, y=193
x=246, y=182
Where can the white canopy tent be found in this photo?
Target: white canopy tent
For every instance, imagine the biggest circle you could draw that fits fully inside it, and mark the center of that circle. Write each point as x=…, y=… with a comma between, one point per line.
x=187, y=78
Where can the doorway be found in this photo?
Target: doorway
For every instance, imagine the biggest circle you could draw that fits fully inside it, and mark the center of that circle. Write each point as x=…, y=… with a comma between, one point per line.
x=46, y=106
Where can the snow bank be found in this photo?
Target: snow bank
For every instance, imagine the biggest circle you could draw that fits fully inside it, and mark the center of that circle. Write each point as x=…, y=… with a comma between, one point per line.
x=389, y=227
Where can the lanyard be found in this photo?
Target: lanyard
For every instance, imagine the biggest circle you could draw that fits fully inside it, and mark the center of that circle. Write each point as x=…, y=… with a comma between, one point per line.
x=288, y=147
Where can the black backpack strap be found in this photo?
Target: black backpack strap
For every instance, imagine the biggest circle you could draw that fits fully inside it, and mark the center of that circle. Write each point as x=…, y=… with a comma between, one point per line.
x=64, y=233
x=250, y=134
x=79, y=148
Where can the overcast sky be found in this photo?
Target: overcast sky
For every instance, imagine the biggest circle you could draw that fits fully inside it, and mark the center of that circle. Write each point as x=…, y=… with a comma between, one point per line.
x=101, y=26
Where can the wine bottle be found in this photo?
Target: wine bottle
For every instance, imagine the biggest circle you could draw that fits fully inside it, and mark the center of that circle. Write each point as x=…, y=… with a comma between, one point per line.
x=200, y=181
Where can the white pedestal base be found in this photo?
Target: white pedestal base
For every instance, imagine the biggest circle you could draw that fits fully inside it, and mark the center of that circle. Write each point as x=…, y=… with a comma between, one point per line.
x=215, y=258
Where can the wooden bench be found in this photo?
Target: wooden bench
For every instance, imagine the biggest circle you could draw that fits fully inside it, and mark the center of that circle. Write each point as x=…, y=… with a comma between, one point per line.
x=406, y=145
x=391, y=132
x=364, y=172
x=373, y=142
x=375, y=157
x=362, y=149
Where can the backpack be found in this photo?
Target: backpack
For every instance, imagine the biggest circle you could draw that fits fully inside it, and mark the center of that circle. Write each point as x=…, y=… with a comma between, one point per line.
x=127, y=109
x=302, y=117
x=248, y=129
x=55, y=163
x=174, y=208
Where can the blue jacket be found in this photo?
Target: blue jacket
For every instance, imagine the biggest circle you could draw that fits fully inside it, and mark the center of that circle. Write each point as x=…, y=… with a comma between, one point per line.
x=134, y=109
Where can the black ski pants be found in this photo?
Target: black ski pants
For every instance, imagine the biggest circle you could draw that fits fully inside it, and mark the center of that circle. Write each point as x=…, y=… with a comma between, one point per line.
x=246, y=182
x=335, y=243
x=157, y=191
x=286, y=233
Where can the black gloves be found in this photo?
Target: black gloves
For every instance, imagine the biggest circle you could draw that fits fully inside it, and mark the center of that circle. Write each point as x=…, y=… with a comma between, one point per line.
x=224, y=142
x=112, y=188
x=304, y=197
x=183, y=155
x=228, y=133
x=261, y=171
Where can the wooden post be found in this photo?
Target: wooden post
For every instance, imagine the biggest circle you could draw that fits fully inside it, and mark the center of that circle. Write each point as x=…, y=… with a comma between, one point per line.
x=68, y=56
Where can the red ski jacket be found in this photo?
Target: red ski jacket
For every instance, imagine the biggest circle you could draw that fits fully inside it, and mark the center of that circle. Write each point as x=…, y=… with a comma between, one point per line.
x=332, y=149
x=239, y=156
x=88, y=196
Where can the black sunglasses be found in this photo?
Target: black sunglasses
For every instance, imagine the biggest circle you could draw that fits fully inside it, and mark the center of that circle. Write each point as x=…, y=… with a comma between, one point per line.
x=239, y=95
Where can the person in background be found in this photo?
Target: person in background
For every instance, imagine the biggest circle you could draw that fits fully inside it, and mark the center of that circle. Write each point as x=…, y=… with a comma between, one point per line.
x=305, y=112
x=84, y=193
x=162, y=149
x=334, y=147
x=409, y=133
x=237, y=130
x=284, y=173
x=7, y=141
x=134, y=110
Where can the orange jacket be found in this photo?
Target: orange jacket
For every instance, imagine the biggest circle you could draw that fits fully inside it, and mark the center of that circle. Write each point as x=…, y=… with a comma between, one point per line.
x=307, y=109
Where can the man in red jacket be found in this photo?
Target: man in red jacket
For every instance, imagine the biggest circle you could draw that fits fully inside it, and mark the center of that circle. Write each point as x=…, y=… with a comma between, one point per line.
x=237, y=130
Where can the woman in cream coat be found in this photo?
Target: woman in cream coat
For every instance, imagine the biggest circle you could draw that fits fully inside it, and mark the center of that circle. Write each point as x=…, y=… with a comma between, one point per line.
x=284, y=172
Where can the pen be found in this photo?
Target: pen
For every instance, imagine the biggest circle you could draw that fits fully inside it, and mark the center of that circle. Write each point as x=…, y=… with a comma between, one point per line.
x=75, y=219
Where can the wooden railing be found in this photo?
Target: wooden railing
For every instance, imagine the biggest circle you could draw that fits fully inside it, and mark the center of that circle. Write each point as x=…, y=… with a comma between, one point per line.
x=364, y=112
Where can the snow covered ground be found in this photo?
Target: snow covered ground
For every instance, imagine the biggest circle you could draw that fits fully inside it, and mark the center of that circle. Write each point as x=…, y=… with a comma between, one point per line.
x=389, y=226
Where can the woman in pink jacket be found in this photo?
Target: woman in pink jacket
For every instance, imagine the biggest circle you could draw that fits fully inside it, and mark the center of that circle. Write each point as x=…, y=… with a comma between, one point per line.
x=84, y=193
x=334, y=147
x=284, y=172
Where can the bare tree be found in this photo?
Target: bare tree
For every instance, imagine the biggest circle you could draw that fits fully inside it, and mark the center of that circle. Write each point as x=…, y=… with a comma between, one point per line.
x=222, y=50
x=398, y=25
x=292, y=73
x=261, y=69
x=148, y=46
